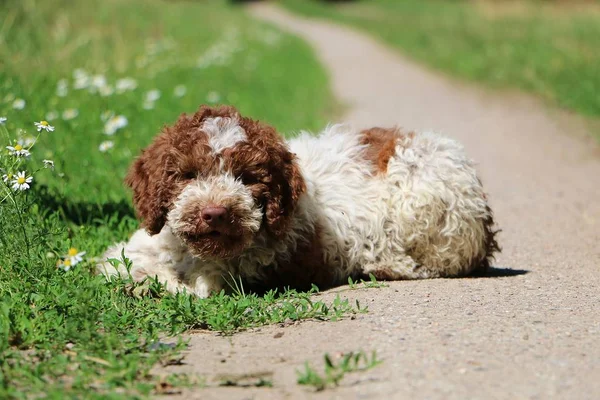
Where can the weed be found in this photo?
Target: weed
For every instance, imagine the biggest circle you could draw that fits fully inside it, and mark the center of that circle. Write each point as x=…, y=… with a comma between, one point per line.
x=334, y=373
x=371, y=283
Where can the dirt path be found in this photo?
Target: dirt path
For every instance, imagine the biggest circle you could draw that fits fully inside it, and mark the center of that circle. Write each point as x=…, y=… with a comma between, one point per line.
x=515, y=335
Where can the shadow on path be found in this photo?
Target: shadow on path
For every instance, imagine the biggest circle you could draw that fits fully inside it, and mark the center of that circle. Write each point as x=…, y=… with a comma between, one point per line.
x=498, y=272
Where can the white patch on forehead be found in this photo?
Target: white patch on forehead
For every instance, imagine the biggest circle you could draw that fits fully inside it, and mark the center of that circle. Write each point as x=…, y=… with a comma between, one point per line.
x=223, y=132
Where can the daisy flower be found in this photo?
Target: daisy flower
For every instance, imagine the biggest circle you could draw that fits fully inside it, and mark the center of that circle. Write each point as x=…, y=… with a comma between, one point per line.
x=18, y=150
x=44, y=125
x=125, y=84
x=213, y=97
x=74, y=256
x=106, y=90
x=65, y=265
x=62, y=88
x=79, y=73
x=105, y=146
x=82, y=82
x=51, y=116
x=179, y=91
x=18, y=104
x=48, y=164
x=97, y=82
x=7, y=177
x=114, y=124
x=152, y=95
x=70, y=113
x=21, y=181
x=2, y=120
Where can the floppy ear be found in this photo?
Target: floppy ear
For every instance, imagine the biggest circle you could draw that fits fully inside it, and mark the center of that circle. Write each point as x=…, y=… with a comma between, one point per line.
x=286, y=188
x=148, y=179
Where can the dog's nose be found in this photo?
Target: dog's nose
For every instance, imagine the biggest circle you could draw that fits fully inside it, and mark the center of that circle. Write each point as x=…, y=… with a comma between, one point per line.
x=214, y=216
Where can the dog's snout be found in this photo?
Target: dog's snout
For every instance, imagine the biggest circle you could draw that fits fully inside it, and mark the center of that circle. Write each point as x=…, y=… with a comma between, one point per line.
x=214, y=216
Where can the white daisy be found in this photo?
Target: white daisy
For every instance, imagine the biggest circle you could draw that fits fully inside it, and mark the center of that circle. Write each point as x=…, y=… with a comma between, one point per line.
x=125, y=84
x=69, y=114
x=21, y=181
x=62, y=87
x=44, y=125
x=7, y=177
x=65, y=265
x=48, y=164
x=2, y=120
x=79, y=73
x=106, y=90
x=18, y=104
x=105, y=146
x=82, y=82
x=213, y=97
x=179, y=91
x=18, y=150
x=74, y=256
x=52, y=115
x=97, y=83
x=152, y=95
x=114, y=124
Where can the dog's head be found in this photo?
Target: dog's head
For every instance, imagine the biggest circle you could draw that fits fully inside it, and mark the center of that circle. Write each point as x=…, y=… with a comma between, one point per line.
x=216, y=179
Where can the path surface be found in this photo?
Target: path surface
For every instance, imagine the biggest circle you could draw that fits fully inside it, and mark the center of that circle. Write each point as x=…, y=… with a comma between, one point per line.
x=517, y=335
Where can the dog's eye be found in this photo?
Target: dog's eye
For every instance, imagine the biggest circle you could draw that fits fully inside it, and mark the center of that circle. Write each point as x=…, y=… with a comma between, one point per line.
x=189, y=175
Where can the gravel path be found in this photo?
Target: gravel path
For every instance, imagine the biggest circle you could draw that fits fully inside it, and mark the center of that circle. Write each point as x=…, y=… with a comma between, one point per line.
x=532, y=330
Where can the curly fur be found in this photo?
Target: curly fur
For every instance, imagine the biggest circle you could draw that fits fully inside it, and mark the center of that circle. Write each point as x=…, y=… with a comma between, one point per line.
x=314, y=210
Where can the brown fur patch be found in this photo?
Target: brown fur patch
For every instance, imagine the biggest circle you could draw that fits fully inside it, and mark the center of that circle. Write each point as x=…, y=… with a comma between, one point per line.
x=299, y=270
x=381, y=145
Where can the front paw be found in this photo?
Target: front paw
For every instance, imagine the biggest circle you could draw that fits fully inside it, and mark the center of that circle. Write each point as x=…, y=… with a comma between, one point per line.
x=204, y=287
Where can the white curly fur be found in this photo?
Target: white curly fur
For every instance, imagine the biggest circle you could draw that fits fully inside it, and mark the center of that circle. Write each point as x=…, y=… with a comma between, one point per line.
x=429, y=204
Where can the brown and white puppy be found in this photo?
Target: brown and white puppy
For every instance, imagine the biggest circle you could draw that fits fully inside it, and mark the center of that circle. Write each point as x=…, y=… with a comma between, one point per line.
x=221, y=195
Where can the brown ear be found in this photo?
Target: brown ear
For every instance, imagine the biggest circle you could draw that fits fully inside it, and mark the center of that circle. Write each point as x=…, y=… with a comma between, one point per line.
x=150, y=191
x=287, y=187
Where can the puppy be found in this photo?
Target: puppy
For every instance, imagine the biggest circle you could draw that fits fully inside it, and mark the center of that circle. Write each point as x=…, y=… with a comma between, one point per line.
x=221, y=195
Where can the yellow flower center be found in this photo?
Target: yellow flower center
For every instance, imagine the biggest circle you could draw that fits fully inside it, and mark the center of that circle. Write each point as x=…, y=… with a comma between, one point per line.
x=20, y=180
x=67, y=263
x=44, y=123
x=72, y=252
x=18, y=147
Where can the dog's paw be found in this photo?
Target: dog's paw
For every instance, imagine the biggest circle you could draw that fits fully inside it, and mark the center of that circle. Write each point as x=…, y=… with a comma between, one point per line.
x=204, y=287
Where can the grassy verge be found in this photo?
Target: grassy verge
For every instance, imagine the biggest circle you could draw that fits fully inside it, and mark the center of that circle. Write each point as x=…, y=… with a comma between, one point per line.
x=106, y=75
x=545, y=47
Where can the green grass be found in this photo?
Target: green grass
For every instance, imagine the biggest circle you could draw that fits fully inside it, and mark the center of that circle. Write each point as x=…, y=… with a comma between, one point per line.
x=544, y=47
x=71, y=334
x=334, y=372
